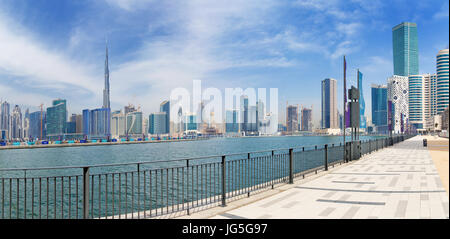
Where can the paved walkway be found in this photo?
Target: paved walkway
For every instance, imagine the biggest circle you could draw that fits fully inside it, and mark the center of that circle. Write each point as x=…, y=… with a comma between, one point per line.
x=397, y=182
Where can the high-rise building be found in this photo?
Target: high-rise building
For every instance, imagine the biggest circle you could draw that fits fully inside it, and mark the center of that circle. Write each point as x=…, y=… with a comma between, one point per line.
x=106, y=101
x=430, y=100
x=38, y=122
x=416, y=101
x=134, y=123
x=442, y=82
x=57, y=118
x=79, y=124
x=96, y=123
x=118, y=126
x=165, y=107
x=16, y=123
x=379, y=107
x=292, y=118
x=5, y=120
x=405, y=49
x=26, y=124
x=232, y=121
x=398, y=94
x=190, y=122
x=329, y=104
x=157, y=123
x=244, y=113
x=306, y=119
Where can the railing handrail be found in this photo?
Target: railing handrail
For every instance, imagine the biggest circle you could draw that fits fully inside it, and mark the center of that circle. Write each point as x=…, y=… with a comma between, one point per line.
x=150, y=162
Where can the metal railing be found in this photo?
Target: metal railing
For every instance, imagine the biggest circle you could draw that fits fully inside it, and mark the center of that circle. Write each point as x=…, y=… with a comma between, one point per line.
x=151, y=189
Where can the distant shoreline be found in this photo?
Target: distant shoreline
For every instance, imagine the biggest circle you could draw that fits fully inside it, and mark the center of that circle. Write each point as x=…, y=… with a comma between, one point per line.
x=92, y=144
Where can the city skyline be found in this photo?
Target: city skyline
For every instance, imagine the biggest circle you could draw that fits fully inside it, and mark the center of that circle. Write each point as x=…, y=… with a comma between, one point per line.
x=136, y=72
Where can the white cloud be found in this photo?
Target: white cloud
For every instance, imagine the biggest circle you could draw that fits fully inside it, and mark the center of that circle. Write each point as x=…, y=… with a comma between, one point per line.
x=443, y=12
x=38, y=66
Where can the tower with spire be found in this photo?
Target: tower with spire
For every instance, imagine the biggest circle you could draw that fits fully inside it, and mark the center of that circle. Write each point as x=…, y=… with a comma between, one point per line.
x=106, y=90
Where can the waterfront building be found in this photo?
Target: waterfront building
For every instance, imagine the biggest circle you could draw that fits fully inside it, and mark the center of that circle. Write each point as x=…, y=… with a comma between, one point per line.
x=306, y=119
x=96, y=123
x=26, y=124
x=86, y=122
x=157, y=123
x=56, y=119
x=118, y=124
x=442, y=81
x=165, y=107
x=292, y=118
x=252, y=125
x=232, y=121
x=5, y=120
x=38, y=122
x=397, y=88
x=134, y=123
x=190, y=122
x=329, y=104
x=379, y=108
x=129, y=108
x=244, y=113
x=16, y=123
x=79, y=124
x=416, y=101
x=405, y=49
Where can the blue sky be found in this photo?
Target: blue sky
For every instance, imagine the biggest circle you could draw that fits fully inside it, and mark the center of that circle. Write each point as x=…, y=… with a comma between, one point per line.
x=51, y=49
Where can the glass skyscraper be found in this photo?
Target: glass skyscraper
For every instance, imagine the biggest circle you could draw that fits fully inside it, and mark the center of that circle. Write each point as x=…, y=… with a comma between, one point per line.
x=329, y=104
x=405, y=49
x=379, y=107
x=416, y=101
x=157, y=123
x=57, y=118
x=442, y=83
x=362, y=103
x=35, y=125
x=231, y=121
x=165, y=107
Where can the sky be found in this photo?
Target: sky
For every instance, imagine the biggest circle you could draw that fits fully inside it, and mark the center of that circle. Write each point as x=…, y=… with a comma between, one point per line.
x=56, y=49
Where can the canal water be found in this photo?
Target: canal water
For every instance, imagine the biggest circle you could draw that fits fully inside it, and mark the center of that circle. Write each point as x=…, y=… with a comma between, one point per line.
x=117, y=190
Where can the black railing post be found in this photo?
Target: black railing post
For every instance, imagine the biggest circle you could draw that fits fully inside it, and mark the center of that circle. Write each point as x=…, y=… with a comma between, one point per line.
x=85, y=192
x=291, y=166
x=223, y=182
x=326, y=157
x=187, y=187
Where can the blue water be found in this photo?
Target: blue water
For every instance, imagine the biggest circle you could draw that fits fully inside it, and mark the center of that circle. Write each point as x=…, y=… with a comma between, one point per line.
x=130, y=153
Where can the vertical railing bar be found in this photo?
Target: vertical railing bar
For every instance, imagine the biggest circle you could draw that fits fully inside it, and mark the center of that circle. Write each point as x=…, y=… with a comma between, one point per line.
x=32, y=198
x=145, y=193
x=92, y=196
x=126, y=195
x=156, y=192
x=10, y=197
x=113, y=195
x=106, y=196
x=172, y=192
x=17, y=197
x=62, y=197
x=139, y=190
x=54, y=197
x=132, y=195
x=120, y=196
x=167, y=190
x=70, y=196
x=150, y=189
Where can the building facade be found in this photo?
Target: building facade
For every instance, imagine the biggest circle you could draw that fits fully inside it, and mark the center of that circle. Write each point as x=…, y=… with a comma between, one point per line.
x=165, y=107
x=379, y=107
x=398, y=94
x=134, y=122
x=442, y=81
x=38, y=122
x=306, y=120
x=329, y=104
x=57, y=118
x=405, y=49
x=292, y=118
x=157, y=123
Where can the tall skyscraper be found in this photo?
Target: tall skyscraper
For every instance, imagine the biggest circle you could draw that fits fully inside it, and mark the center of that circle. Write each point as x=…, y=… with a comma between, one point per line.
x=306, y=119
x=106, y=103
x=118, y=124
x=165, y=107
x=35, y=129
x=5, y=121
x=379, y=107
x=329, y=104
x=416, y=101
x=231, y=121
x=134, y=122
x=56, y=118
x=398, y=95
x=16, y=123
x=405, y=49
x=442, y=83
x=157, y=123
x=292, y=118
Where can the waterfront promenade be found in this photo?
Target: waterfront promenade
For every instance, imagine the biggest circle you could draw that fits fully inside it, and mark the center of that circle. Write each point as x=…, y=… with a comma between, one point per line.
x=398, y=182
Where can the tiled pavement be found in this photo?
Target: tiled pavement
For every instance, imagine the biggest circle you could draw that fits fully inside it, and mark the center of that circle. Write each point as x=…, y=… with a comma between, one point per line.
x=396, y=182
